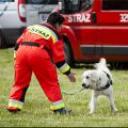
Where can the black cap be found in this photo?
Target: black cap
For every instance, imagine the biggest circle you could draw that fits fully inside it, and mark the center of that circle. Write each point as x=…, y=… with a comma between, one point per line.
x=55, y=18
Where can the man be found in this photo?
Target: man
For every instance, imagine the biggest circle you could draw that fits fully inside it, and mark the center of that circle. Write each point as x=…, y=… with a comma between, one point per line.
x=38, y=50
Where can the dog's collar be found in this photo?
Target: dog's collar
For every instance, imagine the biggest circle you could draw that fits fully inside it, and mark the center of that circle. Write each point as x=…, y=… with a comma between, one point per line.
x=109, y=83
x=109, y=78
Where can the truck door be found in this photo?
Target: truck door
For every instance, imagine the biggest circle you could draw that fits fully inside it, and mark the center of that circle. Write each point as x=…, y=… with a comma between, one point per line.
x=38, y=10
x=112, y=29
x=78, y=15
x=3, y=8
x=8, y=10
x=10, y=23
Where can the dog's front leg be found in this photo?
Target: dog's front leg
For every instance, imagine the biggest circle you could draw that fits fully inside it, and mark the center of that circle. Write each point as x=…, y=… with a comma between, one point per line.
x=93, y=103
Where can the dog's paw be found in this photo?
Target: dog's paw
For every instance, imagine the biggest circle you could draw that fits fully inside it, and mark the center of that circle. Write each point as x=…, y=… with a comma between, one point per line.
x=115, y=110
x=91, y=112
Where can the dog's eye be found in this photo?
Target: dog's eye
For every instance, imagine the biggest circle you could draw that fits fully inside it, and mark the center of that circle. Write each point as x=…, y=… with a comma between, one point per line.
x=87, y=77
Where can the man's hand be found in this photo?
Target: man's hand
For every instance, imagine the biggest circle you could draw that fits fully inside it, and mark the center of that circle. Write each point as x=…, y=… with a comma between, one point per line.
x=71, y=77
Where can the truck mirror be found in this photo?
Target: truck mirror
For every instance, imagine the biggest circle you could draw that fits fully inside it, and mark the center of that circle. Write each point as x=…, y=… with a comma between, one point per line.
x=93, y=17
x=61, y=5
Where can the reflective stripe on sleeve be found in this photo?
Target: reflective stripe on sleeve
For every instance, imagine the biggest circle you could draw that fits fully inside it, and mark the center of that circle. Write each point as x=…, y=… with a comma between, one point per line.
x=15, y=103
x=64, y=68
x=57, y=105
x=14, y=54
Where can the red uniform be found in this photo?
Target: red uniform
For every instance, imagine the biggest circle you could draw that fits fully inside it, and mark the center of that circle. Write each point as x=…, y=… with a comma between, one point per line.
x=40, y=50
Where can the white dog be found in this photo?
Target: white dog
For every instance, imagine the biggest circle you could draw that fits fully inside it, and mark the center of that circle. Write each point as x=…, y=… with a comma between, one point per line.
x=100, y=81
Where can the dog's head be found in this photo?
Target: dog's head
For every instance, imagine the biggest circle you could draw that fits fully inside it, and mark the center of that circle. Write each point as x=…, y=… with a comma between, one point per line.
x=90, y=79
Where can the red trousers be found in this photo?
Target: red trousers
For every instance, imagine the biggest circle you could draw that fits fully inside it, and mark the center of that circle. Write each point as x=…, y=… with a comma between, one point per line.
x=34, y=59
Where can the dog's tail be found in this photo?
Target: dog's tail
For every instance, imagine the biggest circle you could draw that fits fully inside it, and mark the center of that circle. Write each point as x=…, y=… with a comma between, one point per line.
x=103, y=61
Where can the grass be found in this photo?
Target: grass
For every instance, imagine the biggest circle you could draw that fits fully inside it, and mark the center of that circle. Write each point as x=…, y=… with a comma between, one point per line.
x=36, y=111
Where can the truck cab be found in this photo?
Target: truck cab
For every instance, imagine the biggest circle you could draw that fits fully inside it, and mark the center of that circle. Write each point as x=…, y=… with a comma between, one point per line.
x=95, y=29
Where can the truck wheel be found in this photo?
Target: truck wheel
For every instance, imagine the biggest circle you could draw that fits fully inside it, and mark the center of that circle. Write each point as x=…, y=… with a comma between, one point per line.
x=68, y=54
x=115, y=65
x=2, y=41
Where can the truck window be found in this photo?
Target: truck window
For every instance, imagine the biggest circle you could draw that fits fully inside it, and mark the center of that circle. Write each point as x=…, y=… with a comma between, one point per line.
x=75, y=6
x=6, y=0
x=71, y=6
x=85, y=4
x=42, y=2
x=115, y=5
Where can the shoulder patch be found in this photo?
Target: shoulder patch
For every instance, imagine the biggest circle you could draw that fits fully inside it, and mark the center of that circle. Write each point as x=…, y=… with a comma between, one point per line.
x=40, y=30
x=44, y=32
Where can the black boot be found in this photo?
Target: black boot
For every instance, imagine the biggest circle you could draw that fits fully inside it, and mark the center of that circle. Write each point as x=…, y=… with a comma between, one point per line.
x=13, y=109
x=62, y=111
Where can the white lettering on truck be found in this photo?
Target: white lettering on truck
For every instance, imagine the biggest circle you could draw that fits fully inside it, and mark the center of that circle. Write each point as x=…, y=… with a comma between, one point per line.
x=81, y=18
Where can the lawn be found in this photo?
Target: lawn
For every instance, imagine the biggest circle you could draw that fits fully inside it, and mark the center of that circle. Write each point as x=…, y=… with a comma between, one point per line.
x=36, y=111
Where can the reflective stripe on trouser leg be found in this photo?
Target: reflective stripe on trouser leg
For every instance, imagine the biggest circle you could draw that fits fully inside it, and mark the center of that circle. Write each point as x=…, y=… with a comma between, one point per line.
x=15, y=103
x=57, y=105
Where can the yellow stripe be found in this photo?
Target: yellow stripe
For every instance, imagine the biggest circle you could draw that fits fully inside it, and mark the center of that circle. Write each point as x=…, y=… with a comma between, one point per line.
x=59, y=105
x=15, y=103
x=64, y=68
x=54, y=37
x=14, y=55
x=44, y=32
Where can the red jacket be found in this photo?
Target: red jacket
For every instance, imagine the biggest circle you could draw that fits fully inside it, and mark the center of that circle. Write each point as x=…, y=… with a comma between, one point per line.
x=48, y=38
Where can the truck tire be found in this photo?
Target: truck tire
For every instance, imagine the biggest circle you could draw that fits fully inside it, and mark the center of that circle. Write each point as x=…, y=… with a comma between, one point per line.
x=68, y=54
x=2, y=41
x=115, y=65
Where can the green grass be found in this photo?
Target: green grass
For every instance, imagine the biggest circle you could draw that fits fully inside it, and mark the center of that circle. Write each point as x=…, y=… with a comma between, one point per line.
x=36, y=111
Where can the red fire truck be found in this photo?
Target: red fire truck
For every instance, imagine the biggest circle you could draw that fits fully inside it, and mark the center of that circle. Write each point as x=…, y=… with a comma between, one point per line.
x=94, y=29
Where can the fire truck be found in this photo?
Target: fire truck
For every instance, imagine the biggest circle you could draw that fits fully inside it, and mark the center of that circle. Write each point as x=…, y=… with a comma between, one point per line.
x=95, y=29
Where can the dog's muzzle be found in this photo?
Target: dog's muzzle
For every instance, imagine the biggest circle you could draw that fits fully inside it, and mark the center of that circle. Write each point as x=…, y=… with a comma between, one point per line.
x=84, y=85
